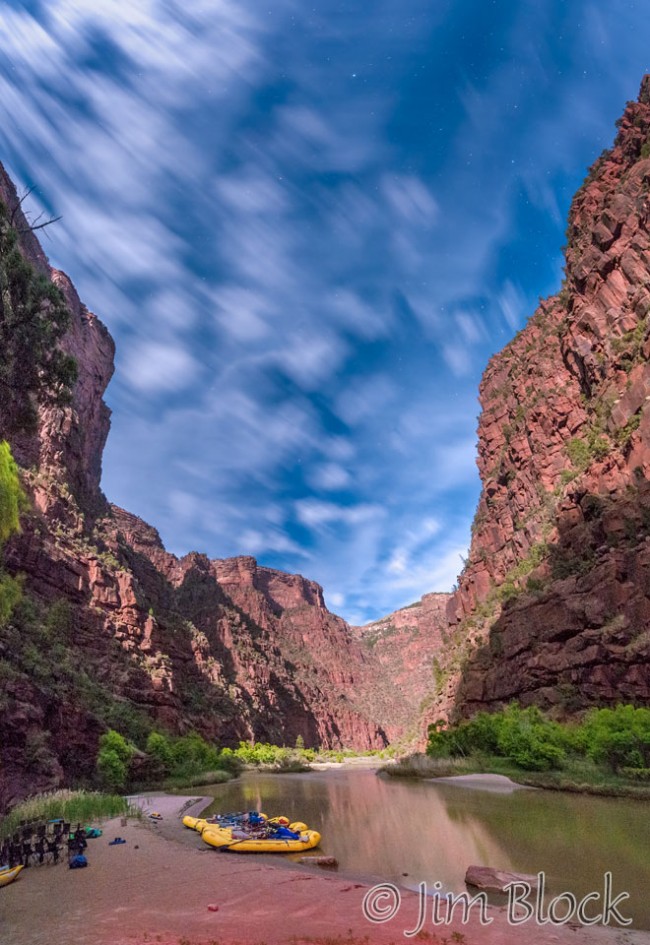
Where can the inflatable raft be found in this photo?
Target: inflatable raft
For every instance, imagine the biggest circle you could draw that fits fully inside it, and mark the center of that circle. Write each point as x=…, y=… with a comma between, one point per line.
x=224, y=820
x=253, y=832
x=8, y=874
x=228, y=838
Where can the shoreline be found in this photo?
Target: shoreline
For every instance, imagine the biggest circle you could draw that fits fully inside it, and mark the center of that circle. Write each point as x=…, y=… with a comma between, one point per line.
x=483, y=781
x=543, y=782
x=156, y=888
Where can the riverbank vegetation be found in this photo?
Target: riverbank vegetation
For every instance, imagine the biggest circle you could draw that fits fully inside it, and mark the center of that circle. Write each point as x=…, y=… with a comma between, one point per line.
x=166, y=761
x=173, y=763
x=71, y=806
x=607, y=752
x=298, y=758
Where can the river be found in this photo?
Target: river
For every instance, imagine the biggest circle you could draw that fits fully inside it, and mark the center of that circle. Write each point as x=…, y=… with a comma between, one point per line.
x=409, y=832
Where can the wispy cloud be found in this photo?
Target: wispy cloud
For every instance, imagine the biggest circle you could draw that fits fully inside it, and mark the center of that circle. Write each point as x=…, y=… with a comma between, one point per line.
x=317, y=514
x=308, y=229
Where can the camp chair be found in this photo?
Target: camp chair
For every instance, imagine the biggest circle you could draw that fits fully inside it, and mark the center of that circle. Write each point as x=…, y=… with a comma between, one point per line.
x=27, y=852
x=53, y=851
x=39, y=850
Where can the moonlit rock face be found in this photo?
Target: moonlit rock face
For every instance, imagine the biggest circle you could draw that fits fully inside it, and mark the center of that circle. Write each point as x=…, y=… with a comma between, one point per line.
x=564, y=454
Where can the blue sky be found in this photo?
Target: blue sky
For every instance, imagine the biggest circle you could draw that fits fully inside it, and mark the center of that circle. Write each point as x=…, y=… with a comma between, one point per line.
x=308, y=227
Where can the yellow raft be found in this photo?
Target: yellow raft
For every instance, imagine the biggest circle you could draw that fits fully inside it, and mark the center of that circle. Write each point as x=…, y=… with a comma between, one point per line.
x=222, y=838
x=200, y=823
x=8, y=875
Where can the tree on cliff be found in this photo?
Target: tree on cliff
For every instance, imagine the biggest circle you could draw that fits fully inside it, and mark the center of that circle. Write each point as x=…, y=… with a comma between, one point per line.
x=33, y=319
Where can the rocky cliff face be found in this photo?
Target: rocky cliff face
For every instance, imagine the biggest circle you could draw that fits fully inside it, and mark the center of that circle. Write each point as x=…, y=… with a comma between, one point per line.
x=117, y=631
x=404, y=647
x=553, y=607
x=69, y=443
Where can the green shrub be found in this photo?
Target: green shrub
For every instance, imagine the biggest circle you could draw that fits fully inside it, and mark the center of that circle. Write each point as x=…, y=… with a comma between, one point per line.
x=12, y=498
x=528, y=750
x=534, y=585
x=12, y=502
x=11, y=591
x=624, y=434
x=578, y=452
x=619, y=737
x=113, y=760
x=125, y=717
x=112, y=770
x=116, y=743
x=523, y=736
x=37, y=756
x=260, y=753
x=160, y=751
x=507, y=591
x=263, y=753
x=439, y=744
x=186, y=760
x=565, y=561
x=58, y=621
x=192, y=755
x=583, y=450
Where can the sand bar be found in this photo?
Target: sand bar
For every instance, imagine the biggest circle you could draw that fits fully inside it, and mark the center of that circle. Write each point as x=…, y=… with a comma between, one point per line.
x=497, y=783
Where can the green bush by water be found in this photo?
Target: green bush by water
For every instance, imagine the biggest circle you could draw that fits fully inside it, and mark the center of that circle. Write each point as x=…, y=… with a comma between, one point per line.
x=617, y=739
x=186, y=760
x=283, y=757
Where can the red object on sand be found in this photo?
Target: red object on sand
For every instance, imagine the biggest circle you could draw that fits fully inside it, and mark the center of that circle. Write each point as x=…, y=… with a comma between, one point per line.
x=213, y=908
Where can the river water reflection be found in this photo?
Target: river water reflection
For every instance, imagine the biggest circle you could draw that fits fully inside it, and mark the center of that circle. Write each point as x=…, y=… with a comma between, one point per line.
x=413, y=831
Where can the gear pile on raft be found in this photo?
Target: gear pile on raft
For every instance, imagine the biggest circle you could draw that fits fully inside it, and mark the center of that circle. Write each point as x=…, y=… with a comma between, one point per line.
x=253, y=832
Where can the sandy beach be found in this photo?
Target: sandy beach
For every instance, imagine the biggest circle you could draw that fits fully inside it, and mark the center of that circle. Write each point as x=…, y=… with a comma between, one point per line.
x=157, y=887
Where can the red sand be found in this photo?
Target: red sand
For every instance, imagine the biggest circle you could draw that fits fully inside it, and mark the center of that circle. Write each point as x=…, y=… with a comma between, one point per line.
x=161, y=891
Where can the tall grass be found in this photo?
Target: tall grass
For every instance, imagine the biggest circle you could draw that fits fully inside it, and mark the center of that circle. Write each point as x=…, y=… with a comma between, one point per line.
x=72, y=806
x=197, y=780
x=422, y=766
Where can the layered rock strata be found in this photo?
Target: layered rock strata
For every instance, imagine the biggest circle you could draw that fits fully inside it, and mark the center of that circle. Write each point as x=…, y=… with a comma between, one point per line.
x=553, y=607
x=142, y=638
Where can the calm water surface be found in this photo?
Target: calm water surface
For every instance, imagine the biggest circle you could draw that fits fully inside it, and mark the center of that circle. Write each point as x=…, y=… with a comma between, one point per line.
x=386, y=828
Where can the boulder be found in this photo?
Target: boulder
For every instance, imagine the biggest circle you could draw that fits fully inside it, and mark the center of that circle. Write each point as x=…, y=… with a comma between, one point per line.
x=492, y=880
